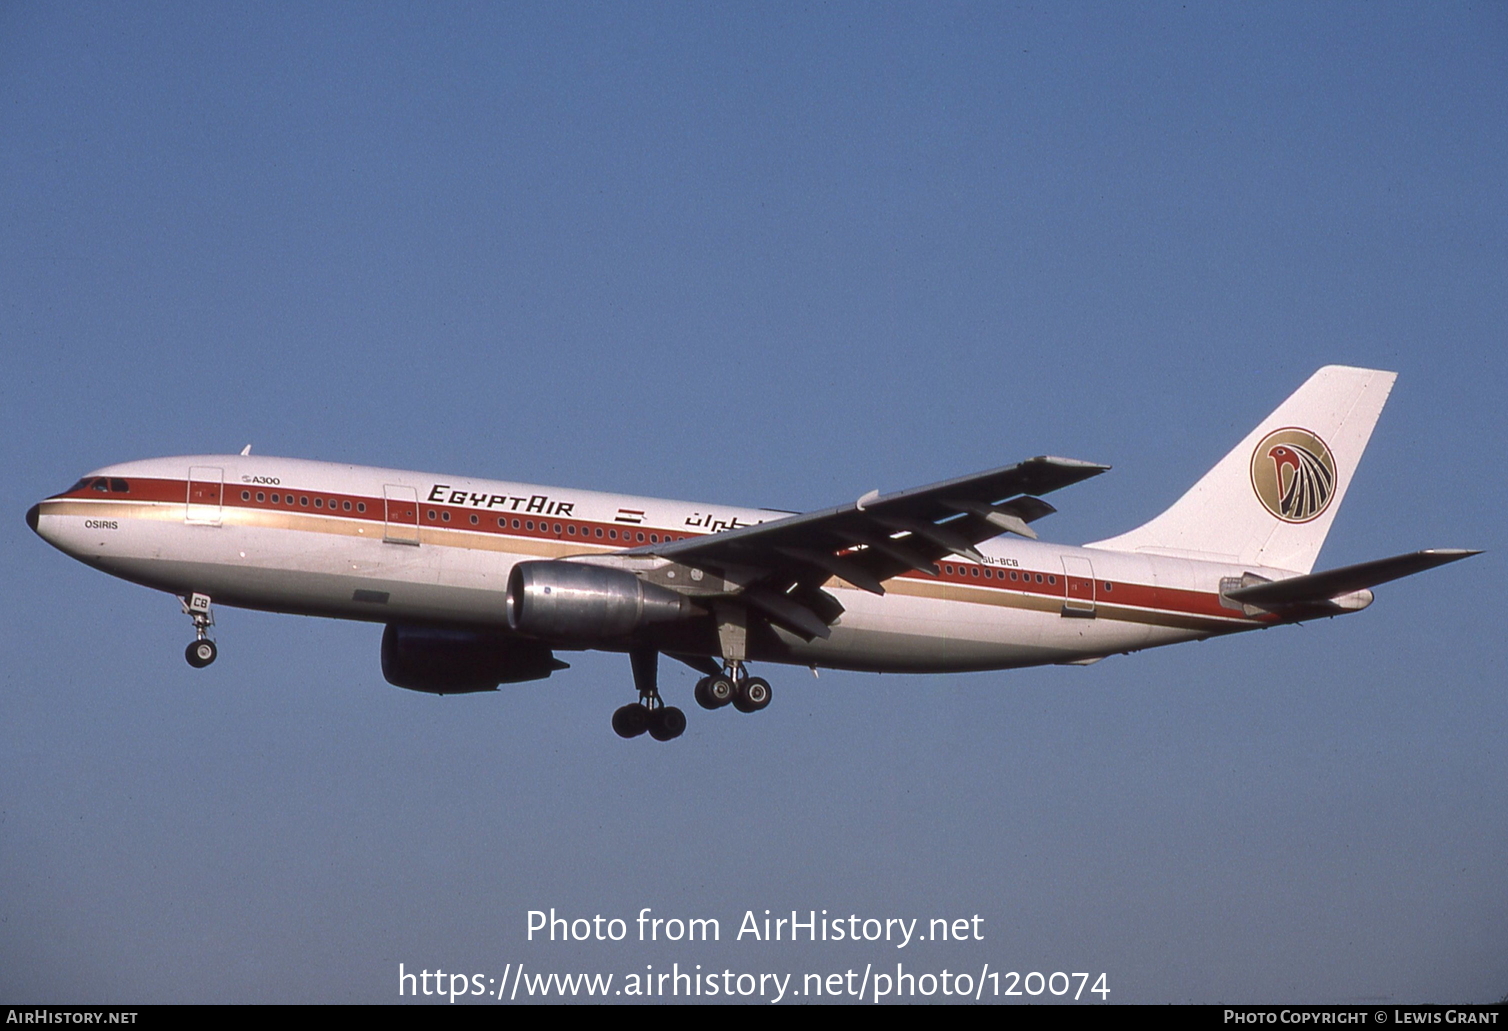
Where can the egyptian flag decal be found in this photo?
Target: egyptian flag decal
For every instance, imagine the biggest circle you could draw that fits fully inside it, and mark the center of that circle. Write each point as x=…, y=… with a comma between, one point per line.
x=1293, y=474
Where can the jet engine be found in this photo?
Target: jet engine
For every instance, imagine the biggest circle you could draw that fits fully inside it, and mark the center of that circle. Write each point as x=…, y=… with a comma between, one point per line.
x=441, y=660
x=573, y=601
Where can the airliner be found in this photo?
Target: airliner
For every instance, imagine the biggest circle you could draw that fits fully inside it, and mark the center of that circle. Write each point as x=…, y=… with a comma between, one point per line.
x=481, y=583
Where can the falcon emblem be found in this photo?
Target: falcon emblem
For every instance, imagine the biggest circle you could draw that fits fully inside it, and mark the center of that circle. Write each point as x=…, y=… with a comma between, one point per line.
x=1293, y=474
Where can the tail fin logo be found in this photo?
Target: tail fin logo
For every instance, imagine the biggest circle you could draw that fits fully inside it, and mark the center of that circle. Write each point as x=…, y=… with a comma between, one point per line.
x=1293, y=474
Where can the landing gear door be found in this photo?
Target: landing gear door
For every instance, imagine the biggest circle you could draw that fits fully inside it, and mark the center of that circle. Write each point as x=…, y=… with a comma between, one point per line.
x=1078, y=586
x=205, y=487
x=401, y=514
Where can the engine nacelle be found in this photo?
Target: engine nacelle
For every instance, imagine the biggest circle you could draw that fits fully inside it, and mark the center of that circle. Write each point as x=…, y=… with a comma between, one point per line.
x=438, y=660
x=572, y=601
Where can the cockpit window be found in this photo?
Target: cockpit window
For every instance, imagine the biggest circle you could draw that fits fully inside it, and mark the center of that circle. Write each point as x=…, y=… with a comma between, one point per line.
x=103, y=484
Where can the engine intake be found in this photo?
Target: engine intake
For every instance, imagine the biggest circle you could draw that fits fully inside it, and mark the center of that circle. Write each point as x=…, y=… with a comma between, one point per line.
x=571, y=601
x=439, y=660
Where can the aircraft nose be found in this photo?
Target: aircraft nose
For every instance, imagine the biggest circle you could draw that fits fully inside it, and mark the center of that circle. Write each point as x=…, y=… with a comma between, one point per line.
x=31, y=517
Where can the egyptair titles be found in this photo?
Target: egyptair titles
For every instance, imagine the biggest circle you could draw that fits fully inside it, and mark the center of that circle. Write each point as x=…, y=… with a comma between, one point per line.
x=537, y=504
x=544, y=504
x=711, y=524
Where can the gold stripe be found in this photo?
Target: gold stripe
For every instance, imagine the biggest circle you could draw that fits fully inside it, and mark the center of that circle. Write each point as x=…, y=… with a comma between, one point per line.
x=973, y=596
x=1054, y=603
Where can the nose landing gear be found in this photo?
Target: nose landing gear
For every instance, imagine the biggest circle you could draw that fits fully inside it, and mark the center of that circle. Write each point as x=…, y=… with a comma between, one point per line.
x=201, y=651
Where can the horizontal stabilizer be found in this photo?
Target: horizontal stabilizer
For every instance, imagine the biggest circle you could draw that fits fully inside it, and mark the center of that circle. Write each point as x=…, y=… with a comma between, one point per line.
x=1319, y=587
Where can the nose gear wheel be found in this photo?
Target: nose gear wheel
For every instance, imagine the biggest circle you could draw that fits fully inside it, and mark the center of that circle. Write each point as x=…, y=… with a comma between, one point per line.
x=201, y=651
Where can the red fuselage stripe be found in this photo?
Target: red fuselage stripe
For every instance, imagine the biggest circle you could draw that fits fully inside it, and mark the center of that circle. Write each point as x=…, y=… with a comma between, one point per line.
x=436, y=516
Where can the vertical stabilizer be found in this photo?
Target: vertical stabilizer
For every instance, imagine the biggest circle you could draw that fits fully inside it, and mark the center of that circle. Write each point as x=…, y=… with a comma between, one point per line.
x=1270, y=502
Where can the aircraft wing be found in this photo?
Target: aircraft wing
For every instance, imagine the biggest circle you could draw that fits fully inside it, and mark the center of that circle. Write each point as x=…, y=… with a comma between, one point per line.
x=783, y=563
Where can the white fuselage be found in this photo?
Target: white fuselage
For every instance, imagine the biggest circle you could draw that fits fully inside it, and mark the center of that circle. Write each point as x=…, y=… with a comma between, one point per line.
x=384, y=545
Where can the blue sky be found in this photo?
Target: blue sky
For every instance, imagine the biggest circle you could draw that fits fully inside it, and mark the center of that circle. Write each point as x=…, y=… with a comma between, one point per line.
x=767, y=256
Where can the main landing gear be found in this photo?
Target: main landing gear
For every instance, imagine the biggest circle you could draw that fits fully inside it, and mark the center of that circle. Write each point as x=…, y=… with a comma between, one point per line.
x=746, y=693
x=201, y=651
x=664, y=722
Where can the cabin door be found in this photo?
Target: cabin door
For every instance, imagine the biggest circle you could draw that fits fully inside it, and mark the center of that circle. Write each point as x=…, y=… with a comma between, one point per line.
x=401, y=514
x=1078, y=586
x=205, y=488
